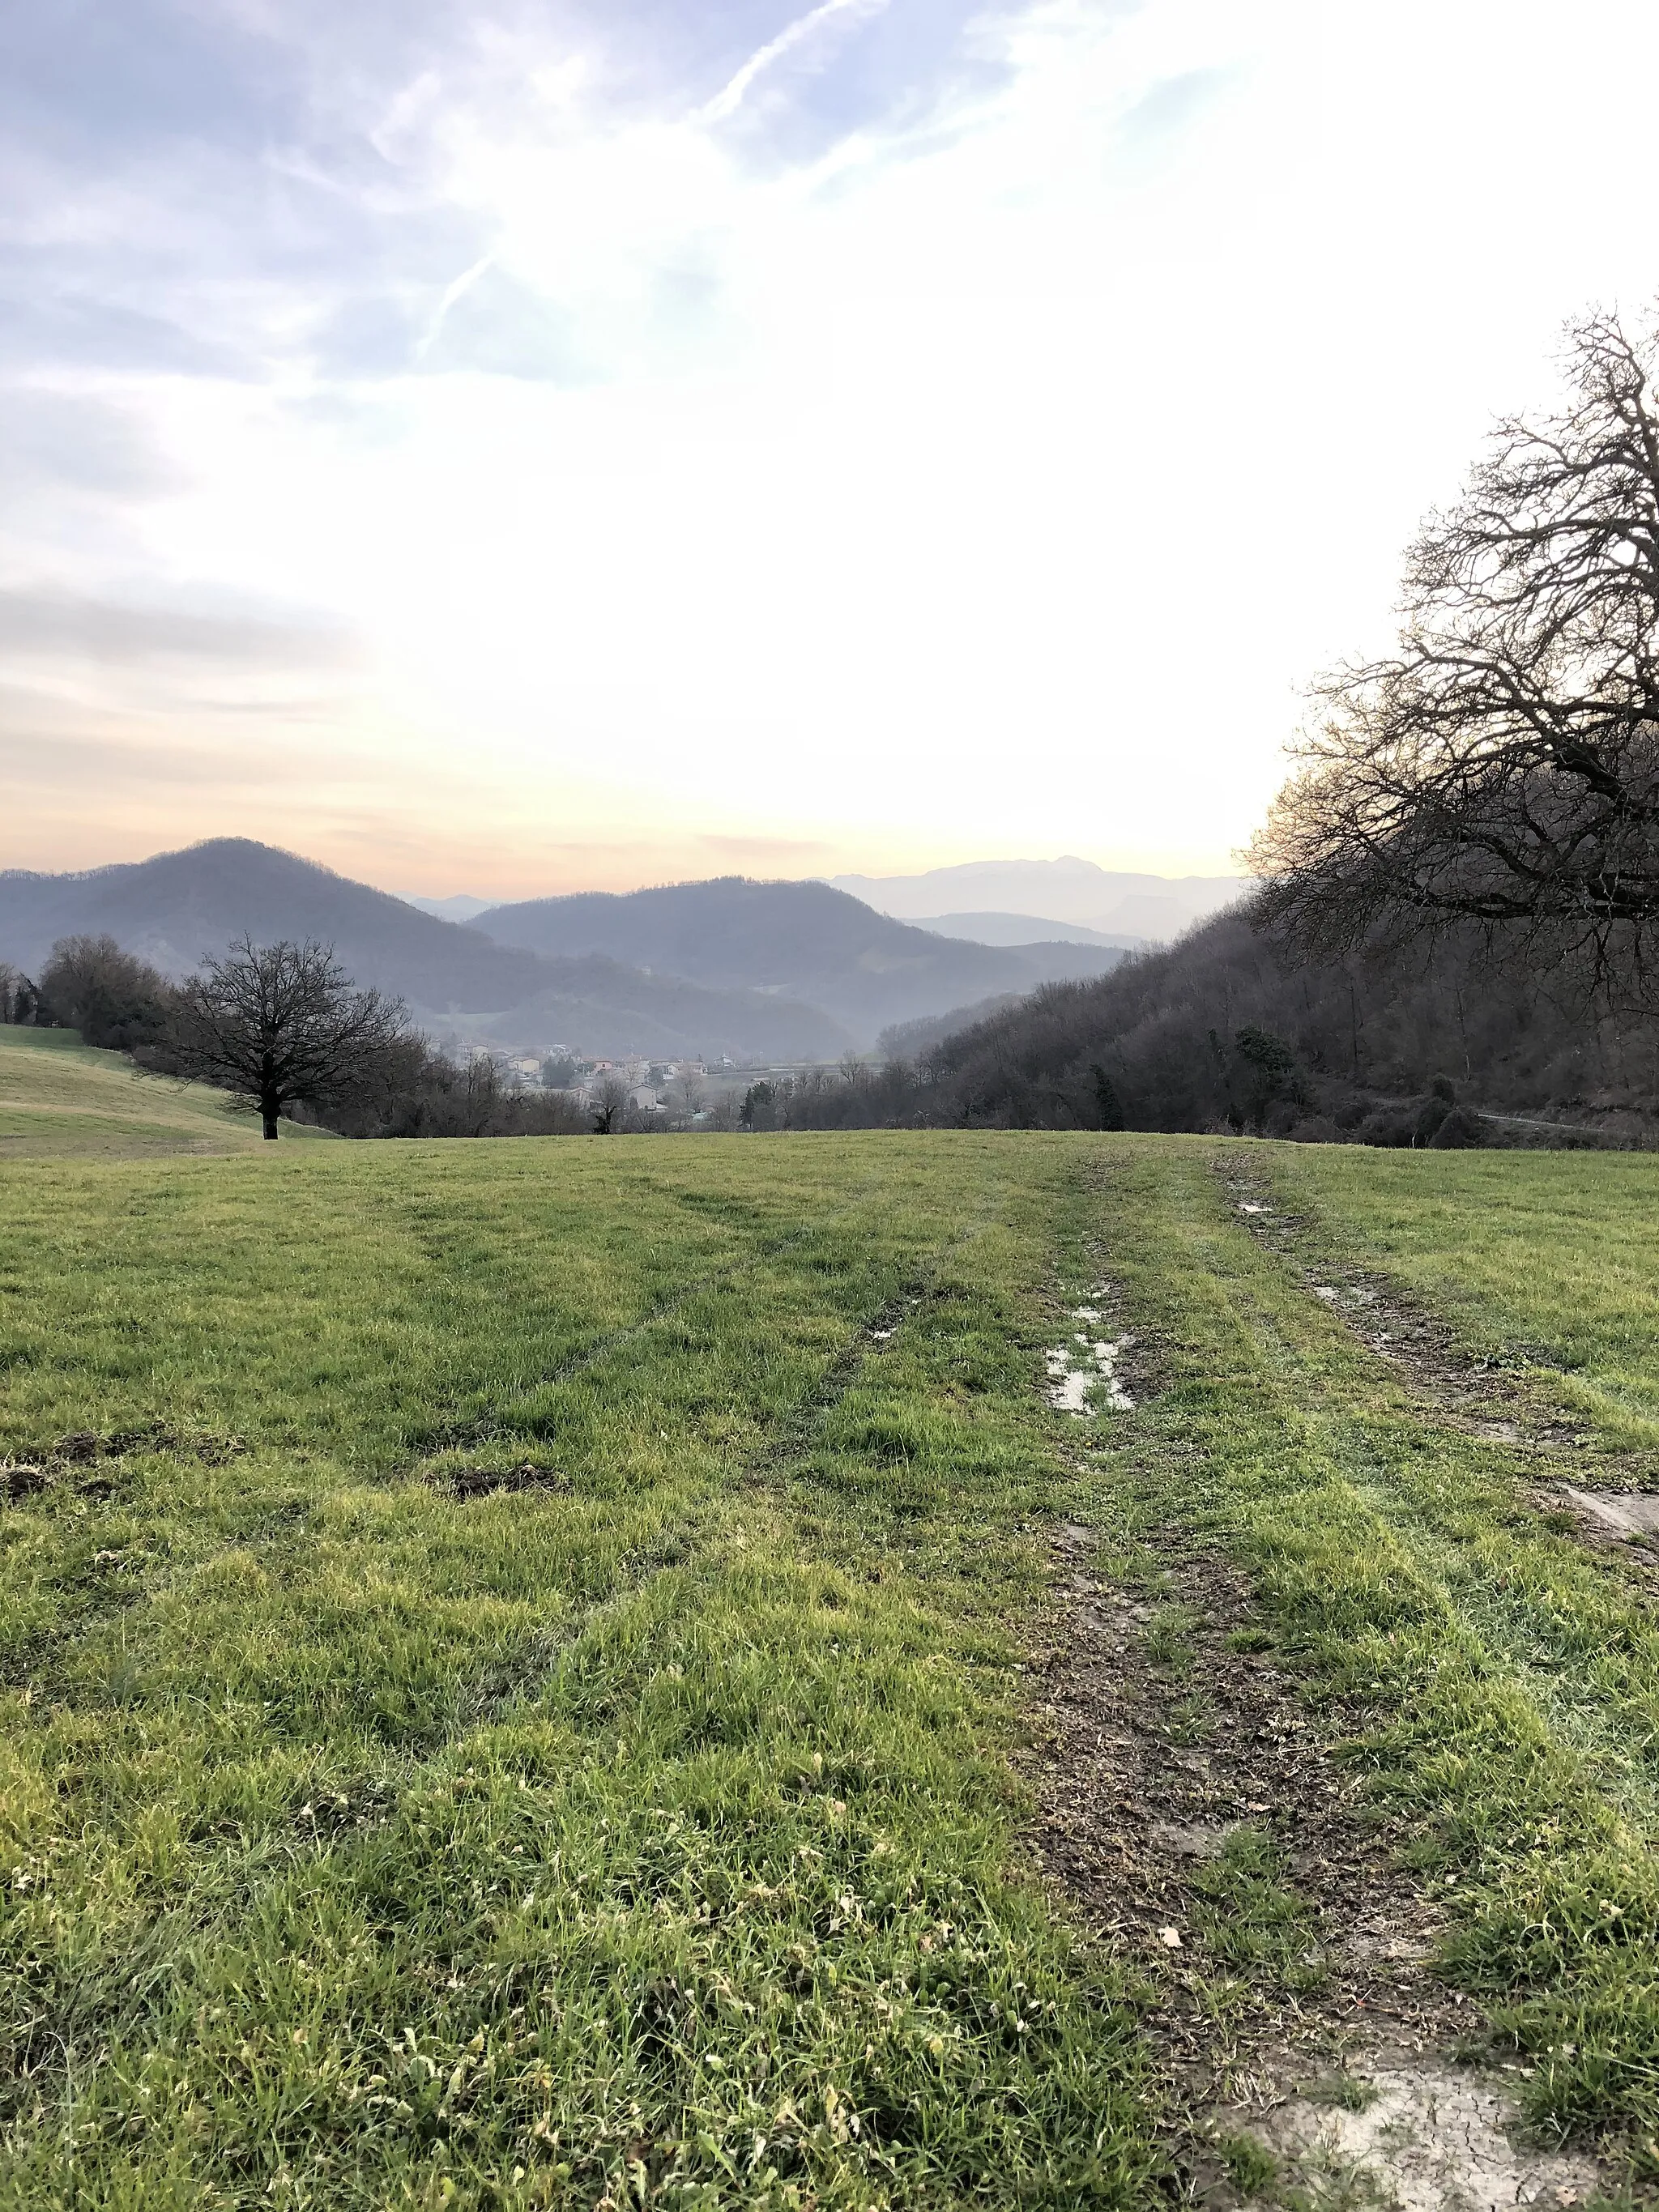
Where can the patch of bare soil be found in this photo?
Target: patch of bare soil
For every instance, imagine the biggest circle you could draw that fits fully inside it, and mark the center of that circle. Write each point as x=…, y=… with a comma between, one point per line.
x=73, y=1455
x=1423, y=2137
x=468, y=1482
x=1190, y=1810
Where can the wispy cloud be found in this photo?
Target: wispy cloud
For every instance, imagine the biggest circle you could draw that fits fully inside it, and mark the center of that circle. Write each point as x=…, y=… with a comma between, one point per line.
x=36, y=624
x=804, y=29
x=458, y=290
x=835, y=464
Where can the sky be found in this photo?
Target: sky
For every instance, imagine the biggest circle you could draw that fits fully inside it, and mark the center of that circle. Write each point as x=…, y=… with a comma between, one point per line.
x=529, y=447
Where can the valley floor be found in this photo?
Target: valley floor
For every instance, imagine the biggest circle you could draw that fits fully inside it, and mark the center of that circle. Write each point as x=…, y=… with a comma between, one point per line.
x=579, y=1671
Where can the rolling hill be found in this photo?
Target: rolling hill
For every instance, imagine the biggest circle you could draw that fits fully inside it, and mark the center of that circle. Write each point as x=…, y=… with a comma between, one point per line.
x=176, y=908
x=804, y=941
x=59, y=1100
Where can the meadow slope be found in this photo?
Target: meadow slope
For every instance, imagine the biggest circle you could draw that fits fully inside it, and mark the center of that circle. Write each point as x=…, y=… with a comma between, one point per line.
x=514, y=1658
x=60, y=1099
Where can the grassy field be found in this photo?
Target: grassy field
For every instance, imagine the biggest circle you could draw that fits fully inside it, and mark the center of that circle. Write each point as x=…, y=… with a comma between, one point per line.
x=513, y=1654
x=1554, y=1258
x=59, y=1099
x=644, y=1829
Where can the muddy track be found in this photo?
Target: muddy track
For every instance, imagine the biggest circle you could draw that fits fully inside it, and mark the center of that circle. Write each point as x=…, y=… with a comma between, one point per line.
x=1192, y=1812
x=1167, y=1726
x=1613, y=1498
x=1307, y=2050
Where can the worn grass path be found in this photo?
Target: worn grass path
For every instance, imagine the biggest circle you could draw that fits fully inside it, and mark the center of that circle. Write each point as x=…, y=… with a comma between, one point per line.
x=1496, y=1682
x=645, y=1832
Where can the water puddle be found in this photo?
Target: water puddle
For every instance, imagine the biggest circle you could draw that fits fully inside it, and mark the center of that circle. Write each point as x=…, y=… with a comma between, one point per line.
x=1632, y=1512
x=1427, y=2136
x=1083, y=1372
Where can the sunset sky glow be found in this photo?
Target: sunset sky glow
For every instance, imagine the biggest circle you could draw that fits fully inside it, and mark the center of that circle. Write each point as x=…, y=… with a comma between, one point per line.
x=520, y=449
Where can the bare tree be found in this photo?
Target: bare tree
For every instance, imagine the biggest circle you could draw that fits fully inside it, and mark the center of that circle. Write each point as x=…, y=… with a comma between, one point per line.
x=692, y=1094
x=17, y=995
x=610, y=1105
x=1502, y=768
x=281, y=1024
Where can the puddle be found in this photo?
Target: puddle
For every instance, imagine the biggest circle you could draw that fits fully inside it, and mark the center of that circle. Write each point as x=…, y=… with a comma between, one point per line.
x=1084, y=1372
x=1632, y=1512
x=1069, y=1386
x=1431, y=2138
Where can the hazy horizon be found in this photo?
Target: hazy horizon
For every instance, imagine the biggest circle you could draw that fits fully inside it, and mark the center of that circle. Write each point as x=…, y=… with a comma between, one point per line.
x=556, y=447
x=1062, y=887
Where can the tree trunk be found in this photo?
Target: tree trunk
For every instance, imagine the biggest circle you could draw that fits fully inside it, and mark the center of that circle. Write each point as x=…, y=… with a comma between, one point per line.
x=268, y=1111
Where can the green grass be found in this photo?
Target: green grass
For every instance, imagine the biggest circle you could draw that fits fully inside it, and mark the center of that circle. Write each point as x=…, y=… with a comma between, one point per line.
x=649, y=1831
x=1250, y=2166
x=1555, y=1256
x=649, y=1835
x=1251, y=1916
x=60, y=1099
x=1495, y=1684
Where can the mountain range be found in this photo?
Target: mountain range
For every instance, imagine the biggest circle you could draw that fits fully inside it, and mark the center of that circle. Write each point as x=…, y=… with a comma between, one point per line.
x=1022, y=929
x=804, y=941
x=458, y=984
x=1113, y=905
x=754, y=971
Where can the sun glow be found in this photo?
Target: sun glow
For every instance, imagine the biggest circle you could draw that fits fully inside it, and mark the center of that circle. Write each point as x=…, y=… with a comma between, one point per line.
x=977, y=471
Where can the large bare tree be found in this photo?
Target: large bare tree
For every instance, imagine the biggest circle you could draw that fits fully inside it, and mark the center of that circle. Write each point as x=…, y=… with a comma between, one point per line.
x=281, y=1024
x=1501, y=770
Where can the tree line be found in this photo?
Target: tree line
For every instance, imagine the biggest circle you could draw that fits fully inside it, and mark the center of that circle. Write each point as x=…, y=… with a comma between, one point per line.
x=284, y=1029
x=1234, y=1030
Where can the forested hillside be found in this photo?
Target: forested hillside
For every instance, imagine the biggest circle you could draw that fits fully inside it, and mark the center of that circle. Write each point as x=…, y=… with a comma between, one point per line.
x=804, y=941
x=176, y=908
x=1229, y=1029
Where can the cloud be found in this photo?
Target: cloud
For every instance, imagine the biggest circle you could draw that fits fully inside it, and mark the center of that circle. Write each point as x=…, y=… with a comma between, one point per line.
x=47, y=625
x=68, y=441
x=805, y=28
x=43, y=749
x=49, y=321
x=458, y=290
x=889, y=433
x=1174, y=105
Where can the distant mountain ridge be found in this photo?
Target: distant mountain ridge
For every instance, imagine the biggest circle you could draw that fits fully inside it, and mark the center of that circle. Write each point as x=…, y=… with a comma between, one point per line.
x=176, y=907
x=807, y=941
x=460, y=906
x=774, y=971
x=1021, y=929
x=1067, y=890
